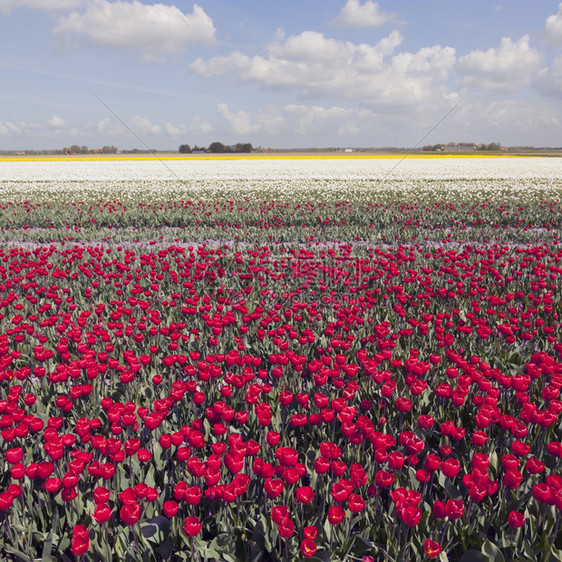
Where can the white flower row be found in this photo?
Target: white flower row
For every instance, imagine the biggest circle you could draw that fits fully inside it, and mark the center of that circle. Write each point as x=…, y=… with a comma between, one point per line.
x=284, y=168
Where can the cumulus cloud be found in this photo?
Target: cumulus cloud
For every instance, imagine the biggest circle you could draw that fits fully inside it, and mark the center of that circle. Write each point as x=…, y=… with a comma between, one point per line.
x=174, y=130
x=369, y=14
x=549, y=80
x=507, y=68
x=45, y=129
x=56, y=122
x=553, y=28
x=316, y=67
x=139, y=125
x=239, y=122
x=7, y=6
x=299, y=119
x=109, y=127
x=314, y=124
x=156, y=31
x=310, y=121
x=524, y=123
x=143, y=126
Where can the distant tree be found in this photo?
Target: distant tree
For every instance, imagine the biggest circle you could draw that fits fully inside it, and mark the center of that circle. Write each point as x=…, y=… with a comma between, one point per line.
x=491, y=146
x=109, y=150
x=243, y=147
x=217, y=147
x=84, y=149
x=184, y=149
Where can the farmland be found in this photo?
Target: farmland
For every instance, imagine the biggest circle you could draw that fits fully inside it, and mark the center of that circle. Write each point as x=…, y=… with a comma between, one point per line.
x=281, y=359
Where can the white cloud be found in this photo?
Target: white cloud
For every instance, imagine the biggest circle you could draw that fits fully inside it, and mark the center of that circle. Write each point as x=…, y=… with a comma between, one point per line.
x=530, y=123
x=108, y=127
x=55, y=126
x=142, y=126
x=507, y=68
x=275, y=119
x=369, y=14
x=44, y=5
x=239, y=122
x=553, y=28
x=314, y=117
x=505, y=121
x=156, y=31
x=174, y=130
x=201, y=127
x=56, y=122
x=549, y=80
x=316, y=66
x=306, y=121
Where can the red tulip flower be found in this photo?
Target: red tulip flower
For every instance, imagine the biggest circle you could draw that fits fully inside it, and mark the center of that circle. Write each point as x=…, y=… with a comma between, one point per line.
x=336, y=514
x=431, y=548
x=102, y=513
x=130, y=513
x=308, y=548
x=192, y=526
x=80, y=542
x=454, y=509
x=515, y=519
x=304, y=494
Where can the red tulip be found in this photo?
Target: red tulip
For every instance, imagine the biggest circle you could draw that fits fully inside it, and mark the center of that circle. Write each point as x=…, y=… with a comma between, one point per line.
x=450, y=467
x=512, y=478
x=304, y=494
x=191, y=526
x=308, y=548
x=15, y=455
x=516, y=519
x=279, y=512
x=355, y=503
x=130, y=513
x=454, y=509
x=431, y=548
x=411, y=515
x=170, y=508
x=102, y=513
x=336, y=514
x=286, y=528
x=80, y=542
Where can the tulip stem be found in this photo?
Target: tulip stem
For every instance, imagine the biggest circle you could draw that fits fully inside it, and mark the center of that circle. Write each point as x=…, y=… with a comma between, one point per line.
x=554, y=534
x=106, y=540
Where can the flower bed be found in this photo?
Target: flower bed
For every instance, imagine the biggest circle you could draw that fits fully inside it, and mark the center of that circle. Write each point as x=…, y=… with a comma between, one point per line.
x=372, y=377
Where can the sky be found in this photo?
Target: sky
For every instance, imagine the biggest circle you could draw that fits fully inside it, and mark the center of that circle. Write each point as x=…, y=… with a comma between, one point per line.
x=291, y=74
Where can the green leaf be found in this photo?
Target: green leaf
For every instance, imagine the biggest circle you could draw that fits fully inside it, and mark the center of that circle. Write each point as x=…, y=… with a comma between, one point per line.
x=473, y=556
x=47, y=547
x=149, y=478
x=321, y=556
x=493, y=553
x=156, y=530
x=18, y=553
x=556, y=553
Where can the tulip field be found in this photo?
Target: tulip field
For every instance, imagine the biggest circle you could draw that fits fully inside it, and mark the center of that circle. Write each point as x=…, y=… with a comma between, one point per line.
x=280, y=359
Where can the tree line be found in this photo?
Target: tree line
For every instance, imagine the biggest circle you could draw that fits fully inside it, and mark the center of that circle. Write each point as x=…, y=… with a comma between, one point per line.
x=461, y=145
x=217, y=148
x=75, y=149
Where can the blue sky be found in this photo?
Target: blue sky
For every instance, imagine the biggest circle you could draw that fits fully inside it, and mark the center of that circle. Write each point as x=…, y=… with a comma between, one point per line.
x=288, y=74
